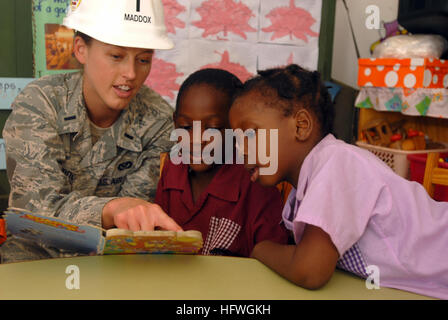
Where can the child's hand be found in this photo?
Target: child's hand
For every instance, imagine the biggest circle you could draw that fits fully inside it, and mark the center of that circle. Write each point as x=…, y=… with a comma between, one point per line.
x=136, y=214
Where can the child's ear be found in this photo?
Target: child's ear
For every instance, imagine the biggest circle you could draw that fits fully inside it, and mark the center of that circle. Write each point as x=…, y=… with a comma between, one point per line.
x=304, y=124
x=80, y=49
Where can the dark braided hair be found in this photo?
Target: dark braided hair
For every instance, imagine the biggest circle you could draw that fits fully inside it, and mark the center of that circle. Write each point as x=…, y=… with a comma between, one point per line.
x=217, y=78
x=291, y=88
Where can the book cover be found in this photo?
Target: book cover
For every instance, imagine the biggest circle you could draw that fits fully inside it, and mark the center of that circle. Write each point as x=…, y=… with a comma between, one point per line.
x=54, y=232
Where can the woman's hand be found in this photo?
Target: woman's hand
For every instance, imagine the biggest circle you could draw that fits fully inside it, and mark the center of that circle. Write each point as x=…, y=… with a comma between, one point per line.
x=136, y=214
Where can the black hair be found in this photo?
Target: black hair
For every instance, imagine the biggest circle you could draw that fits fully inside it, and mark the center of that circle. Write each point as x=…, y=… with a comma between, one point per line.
x=217, y=78
x=87, y=39
x=291, y=88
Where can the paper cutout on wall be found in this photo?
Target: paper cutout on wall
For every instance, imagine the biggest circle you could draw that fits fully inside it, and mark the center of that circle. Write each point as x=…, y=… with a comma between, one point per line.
x=272, y=55
x=169, y=69
x=285, y=22
x=225, y=20
x=176, y=16
x=241, y=36
x=238, y=58
x=234, y=67
x=163, y=78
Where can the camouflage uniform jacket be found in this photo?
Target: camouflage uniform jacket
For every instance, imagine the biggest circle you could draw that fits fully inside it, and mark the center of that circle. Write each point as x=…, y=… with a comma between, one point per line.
x=54, y=170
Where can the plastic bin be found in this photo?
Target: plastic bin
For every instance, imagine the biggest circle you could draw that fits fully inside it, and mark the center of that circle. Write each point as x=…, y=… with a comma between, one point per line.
x=417, y=164
x=396, y=159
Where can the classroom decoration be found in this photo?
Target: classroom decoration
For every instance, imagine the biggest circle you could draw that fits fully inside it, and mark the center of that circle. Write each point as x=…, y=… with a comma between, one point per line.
x=87, y=239
x=403, y=73
x=413, y=102
x=53, y=43
x=289, y=23
x=9, y=89
x=241, y=36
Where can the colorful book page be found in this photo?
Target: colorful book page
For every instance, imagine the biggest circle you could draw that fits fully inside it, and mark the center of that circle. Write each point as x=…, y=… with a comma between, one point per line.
x=53, y=232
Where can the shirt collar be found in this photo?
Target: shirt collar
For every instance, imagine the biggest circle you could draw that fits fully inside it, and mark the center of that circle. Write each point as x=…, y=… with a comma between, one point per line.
x=225, y=184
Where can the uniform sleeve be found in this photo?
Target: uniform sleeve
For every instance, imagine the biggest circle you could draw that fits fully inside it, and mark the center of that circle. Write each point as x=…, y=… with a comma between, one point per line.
x=34, y=151
x=142, y=183
x=267, y=224
x=341, y=198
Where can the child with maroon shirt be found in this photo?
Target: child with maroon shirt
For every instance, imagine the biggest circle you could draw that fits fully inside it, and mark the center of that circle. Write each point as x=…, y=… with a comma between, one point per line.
x=219, y=200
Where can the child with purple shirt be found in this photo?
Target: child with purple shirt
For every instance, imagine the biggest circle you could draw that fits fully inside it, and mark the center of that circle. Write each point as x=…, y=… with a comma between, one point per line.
x=347, y=209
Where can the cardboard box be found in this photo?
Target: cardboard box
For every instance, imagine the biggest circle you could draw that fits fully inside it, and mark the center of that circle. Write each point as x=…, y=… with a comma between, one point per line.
x=403, y=73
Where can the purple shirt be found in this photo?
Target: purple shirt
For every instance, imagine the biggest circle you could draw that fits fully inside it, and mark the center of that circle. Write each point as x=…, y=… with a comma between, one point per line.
x=373, y=216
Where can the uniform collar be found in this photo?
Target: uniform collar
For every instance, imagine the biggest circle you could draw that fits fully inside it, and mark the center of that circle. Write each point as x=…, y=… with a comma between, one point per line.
x=72, y=115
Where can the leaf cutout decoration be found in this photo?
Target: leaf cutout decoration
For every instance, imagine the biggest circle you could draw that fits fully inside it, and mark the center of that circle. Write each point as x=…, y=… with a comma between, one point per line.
x=162, y=78
x=224, y=16
x=292, y=21
x=237, y=69
x=171, y=10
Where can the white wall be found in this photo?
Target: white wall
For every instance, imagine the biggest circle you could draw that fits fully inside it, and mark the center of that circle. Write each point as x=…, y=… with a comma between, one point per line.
x=345, y=64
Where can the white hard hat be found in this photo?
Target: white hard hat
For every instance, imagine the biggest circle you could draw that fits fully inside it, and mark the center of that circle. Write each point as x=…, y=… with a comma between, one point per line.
x=126, y=23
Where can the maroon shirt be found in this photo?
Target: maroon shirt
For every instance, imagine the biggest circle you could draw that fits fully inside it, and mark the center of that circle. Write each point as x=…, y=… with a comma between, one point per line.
x=232, y=213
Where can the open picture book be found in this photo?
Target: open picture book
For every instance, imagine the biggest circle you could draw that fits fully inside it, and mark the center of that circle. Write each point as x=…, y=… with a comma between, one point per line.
x=57, y=233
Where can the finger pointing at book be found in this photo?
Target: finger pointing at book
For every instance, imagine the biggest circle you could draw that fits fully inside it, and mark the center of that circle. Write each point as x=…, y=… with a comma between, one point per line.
x=136, y=214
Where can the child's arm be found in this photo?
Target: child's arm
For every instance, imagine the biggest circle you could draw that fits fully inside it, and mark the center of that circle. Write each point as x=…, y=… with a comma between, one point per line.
x=309, y=264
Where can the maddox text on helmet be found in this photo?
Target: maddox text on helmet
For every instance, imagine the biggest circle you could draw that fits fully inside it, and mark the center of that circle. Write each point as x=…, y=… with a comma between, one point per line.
x=137, y=18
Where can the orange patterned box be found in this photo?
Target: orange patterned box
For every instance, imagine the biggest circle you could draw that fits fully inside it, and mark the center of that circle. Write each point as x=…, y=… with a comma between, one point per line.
x=404, y=73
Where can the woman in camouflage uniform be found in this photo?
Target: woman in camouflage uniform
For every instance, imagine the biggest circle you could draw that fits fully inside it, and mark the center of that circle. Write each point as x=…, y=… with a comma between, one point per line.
x=85, y=146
